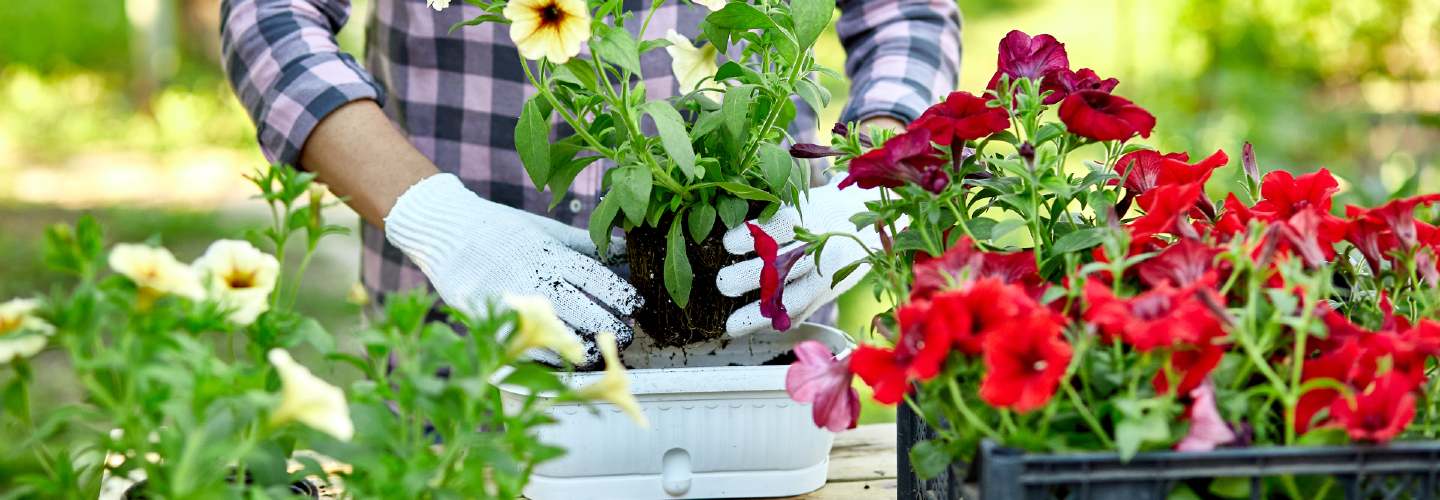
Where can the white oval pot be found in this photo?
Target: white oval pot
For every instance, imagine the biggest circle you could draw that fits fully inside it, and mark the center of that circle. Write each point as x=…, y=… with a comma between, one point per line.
x=716, y=431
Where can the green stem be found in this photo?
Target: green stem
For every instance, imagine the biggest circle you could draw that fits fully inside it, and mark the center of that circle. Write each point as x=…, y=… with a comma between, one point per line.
x=970, y=416
x=1089, y=417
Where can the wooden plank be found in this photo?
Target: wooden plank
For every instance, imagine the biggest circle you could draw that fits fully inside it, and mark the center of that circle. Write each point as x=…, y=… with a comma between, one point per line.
x=854, y=490
x=866, y=453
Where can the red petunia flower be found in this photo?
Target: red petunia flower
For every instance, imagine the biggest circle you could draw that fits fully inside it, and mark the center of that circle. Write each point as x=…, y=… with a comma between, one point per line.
x=1192, y=364
x=1024, y=57
x=1140, y=169
x=918, y=354
x=1370, y=235
x=905, y=158
x=1024, y=365
x=1380, y=412
x=1166, y=211
x=1312, y=233
x=970, y=313
x=1104, y=117
x=1397, y=216
x=772, y=276
x=1334, y=364
x=1160, y=317
x=961, y=117
x=1235, y=218
x=1187, y=262
x=1064, y=82
x=1282, y=194
x=964, y=261
x=818, y=378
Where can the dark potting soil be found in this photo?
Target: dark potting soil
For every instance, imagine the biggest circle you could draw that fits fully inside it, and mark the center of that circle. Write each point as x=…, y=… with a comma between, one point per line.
x=302, y=488
x=660, y=317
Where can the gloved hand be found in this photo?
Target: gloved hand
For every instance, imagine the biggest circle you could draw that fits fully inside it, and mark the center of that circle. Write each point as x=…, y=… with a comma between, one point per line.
x=827, y=209
x=474, y=250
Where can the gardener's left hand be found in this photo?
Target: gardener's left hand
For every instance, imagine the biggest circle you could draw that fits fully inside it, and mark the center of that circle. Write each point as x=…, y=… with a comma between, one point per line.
x=827, y=209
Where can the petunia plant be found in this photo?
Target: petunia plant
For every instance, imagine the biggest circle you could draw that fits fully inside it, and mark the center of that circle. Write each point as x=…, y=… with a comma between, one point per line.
x=683, y=167
x=202, y=380
x=1058, y=286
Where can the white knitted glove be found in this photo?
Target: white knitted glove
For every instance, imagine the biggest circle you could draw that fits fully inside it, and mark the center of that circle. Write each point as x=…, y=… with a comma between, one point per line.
x=474, y=250
x=827, y=209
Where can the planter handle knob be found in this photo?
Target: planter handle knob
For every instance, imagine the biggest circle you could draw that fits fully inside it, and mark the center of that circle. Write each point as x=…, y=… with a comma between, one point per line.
x=676, y=478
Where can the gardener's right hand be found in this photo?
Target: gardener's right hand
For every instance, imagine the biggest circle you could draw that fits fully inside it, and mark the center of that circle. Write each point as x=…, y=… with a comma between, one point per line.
x=474, y=251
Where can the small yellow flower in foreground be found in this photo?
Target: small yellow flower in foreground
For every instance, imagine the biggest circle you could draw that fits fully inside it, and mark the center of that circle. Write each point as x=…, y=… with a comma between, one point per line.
x=614, y=385
x=22, y=334
x=358, y=295
x=552, y=29
x=239, y=277
x=438, y=5
x=713, y=5
x=691, y=65
x=309, y=400
x=539, y=328
x=155, y=271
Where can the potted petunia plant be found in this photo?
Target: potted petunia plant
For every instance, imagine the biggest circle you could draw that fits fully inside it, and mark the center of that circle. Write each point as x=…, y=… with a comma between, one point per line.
x=681, y=170
x=1076, y=317
x=186, y=385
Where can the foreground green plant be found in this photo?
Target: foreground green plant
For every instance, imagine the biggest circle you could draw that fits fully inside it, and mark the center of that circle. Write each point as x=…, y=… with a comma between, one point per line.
x=187, y=380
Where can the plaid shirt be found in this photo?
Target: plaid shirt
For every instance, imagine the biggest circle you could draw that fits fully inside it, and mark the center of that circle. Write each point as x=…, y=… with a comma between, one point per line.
x=458, y=95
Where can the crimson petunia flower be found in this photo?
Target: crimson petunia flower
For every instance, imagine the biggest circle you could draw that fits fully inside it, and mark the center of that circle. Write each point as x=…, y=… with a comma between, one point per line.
x=1185, y=263
x=1022, y=56
x=772, y=276
x=1160, y=317
x=1235, y=218
x=1313, y=234
x=1103, y=116
x=1370, y=235
x=970, y=313
x=905, y=158
x=1283, y=194
x=1192, y=364
x=1334, y=364
x=1140, y=170
x=1166, y=211
x=1064, y=82
x=964, y=261
x=1380, y=412
x=1024, y=365
x=1145, y=170
x=918, y=354
x=961, y=117
x=818, y=378
x=1397, y=216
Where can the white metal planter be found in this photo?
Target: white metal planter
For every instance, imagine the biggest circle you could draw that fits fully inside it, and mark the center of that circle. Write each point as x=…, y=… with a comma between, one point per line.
x=720, y=427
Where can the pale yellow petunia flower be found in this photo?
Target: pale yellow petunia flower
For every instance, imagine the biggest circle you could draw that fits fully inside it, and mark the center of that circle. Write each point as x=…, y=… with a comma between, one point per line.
x=239, y=277
x=549, y=29
x=539, y=328
x=614, y=385
x=22, y=334
x=309, y=400
x=155, y=271
x=690, y=64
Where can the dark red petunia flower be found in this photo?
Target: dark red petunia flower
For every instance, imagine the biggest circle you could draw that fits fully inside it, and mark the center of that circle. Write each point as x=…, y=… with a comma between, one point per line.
x=1024, y=57
x=918, y=354
x=1380, y=412
x=1145, y=170
x=1163, y=316
x=772, y=276
x=961, y=117
x=1140, y=170
x=1104, y=117
x=1064, y=82
x=818, y=378
x=1024, y=363
x=1282, y=194
x=1187, y=262
x=963, y=260
x=812, y=151
x=1167, y=210
x=1312, y=234
x=1192, y=364
x=1370, y=235
x=1397, y=216
x=905, y=158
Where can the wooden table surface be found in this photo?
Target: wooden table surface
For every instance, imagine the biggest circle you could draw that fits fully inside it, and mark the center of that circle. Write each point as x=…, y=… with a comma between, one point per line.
x=862, y=465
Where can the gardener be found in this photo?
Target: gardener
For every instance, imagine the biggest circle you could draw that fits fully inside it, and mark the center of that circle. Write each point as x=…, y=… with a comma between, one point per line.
x=420, y=143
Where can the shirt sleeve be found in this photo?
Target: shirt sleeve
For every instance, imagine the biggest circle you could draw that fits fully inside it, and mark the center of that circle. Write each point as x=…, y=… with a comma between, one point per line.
x=902, y=55
x=283, y=62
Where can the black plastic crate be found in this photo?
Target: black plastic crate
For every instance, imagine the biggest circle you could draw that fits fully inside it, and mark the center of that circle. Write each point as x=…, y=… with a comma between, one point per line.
x=1403, y=470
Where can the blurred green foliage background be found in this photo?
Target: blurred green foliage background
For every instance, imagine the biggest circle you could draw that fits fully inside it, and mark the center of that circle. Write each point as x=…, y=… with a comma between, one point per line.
x=119, y=106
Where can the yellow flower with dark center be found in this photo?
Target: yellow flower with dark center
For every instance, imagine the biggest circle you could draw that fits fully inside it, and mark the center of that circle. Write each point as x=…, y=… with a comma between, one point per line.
x=552, y=29
x=614, y=386
x=155, y=272
x=239, y=277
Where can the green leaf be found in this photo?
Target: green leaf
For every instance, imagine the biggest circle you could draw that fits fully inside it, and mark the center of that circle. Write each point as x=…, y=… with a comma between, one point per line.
x=929, y=459
x=740, y=16
x=600, y=221
x=630, y=185
x=746, y=192
x=532, y=140
x=1230, y=487
x=534, y=377
x=701, y=221
x=736, y=108
x=1004, y=227
x=616, y=46
x=777, y=164
x=845, y=272
x=1079, y=240
x=673, y=136
x=814, y=95
x=579, y=71
x=732, y=211
x=678, y=276
x=811, y=18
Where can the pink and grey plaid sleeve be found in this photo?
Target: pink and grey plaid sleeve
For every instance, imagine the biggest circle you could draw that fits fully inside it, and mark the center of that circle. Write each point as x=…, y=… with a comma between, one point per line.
x=903, y=55
x=284, y=64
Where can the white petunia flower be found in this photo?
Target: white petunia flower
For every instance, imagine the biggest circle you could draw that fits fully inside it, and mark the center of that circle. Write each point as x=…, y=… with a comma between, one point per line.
x=614, y=386
x=309, y=400
x=539, y=328
x=155, y=271
x=438, y=5
x=713, y=5
x=239, y=277
x=692, y=65
x=22, y=334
